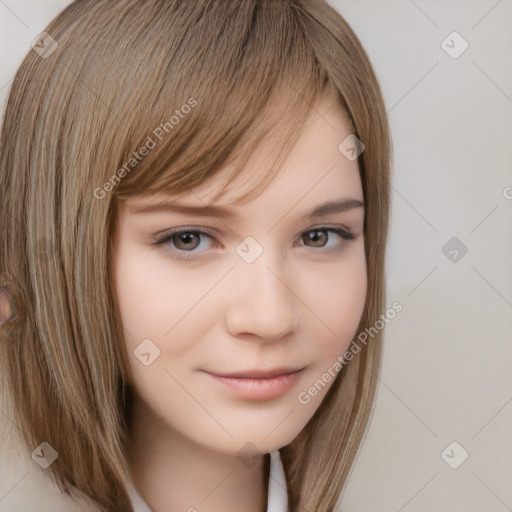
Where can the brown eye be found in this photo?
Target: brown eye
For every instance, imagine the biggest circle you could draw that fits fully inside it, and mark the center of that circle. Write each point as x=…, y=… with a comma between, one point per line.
x=185, y=240
x=183, y=243
x=317, y=236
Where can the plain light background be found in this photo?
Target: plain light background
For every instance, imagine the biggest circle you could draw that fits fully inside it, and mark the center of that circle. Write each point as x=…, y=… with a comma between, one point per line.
x=447, y=372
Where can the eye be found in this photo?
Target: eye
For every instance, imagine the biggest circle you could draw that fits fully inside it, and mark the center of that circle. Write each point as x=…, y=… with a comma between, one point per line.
x=182, y=242
x=312, y=235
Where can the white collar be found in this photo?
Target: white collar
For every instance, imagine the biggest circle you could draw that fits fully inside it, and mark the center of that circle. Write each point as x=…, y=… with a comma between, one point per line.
x=277, y=493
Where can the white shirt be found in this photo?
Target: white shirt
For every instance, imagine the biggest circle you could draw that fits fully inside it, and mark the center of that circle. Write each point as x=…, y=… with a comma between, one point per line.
x=277, y=493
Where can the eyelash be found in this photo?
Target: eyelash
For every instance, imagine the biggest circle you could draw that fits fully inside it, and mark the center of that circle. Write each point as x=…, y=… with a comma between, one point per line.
x=187, y=255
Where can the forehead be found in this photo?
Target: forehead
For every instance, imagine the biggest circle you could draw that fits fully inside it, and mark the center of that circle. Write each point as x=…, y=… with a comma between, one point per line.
x=315, y=163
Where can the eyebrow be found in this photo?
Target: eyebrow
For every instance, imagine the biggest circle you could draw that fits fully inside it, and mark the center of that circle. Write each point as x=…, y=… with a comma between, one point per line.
x=223, y=212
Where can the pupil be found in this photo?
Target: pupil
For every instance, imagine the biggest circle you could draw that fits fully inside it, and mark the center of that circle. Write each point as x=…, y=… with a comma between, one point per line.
x=314, y=236
x=186, y=238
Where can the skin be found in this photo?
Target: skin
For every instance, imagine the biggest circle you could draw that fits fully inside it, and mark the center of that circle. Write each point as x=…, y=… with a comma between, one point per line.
x=297, y=305
x=6, y=306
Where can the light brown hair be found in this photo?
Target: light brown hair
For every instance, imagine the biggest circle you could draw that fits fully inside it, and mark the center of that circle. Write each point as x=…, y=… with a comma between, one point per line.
x=74, y=118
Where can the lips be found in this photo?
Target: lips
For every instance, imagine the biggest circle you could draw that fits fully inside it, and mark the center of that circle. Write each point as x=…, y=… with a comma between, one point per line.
x=258, y=374
x=259, y=384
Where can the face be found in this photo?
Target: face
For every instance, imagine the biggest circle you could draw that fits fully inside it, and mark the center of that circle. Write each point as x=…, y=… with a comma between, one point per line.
x=227, y=319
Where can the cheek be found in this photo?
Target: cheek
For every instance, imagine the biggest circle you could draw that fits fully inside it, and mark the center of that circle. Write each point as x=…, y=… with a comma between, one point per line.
x=139, y=301
x=159, y=321
x=338, y=305
x=153, y=301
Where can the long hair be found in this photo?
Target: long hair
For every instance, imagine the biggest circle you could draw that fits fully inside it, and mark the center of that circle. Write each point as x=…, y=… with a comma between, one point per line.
x=193, y=83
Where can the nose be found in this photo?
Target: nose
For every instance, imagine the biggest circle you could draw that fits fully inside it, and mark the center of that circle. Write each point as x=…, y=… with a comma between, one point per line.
x=262, y=302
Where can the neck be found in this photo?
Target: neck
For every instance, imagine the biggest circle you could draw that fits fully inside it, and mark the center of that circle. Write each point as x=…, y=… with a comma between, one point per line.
x=173, y=473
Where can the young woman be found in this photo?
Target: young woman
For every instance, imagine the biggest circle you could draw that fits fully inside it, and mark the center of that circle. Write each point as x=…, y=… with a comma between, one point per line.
x=195, y=201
